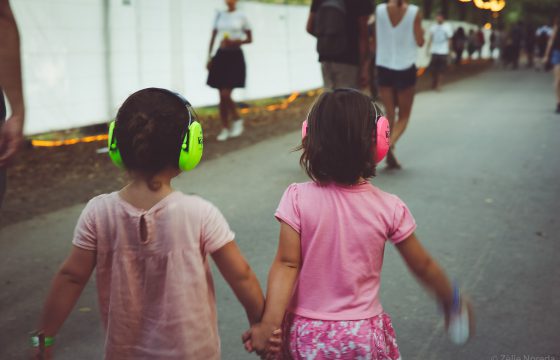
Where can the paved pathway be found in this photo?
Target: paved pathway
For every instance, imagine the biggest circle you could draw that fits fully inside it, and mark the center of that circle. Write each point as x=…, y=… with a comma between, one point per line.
x=481, y=176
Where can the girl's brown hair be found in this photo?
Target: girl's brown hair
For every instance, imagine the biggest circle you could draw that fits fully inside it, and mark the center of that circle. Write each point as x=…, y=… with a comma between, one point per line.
x=339, y=143
x=149, y=130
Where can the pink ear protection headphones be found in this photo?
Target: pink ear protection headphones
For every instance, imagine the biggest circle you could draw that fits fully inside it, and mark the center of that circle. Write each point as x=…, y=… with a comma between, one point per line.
x=381, y=134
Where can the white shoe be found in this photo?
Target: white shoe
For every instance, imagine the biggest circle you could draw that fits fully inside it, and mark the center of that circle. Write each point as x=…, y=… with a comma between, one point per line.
x=236, y=128
x=223, y=135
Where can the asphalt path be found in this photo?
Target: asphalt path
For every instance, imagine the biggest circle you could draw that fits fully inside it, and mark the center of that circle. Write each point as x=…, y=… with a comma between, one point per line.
x=480, y=174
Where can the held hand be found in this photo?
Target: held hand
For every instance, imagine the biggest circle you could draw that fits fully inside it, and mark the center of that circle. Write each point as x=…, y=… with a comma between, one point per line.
x=11, y=138
x=246, y=340
x=263, y=339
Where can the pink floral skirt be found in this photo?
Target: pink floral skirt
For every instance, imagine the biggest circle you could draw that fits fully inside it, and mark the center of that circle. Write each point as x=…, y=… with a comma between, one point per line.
x=312, y=339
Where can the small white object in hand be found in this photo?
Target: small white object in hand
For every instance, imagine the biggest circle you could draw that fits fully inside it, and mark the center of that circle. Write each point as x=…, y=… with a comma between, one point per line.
x=459, y=327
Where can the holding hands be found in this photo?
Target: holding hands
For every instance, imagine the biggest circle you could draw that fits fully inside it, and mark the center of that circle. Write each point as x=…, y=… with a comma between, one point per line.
x=264, y=339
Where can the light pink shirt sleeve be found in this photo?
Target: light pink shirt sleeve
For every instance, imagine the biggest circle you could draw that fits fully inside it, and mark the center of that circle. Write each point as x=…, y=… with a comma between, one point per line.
x=288, y=210
x=84, y=233
x=215, y=230
x=403, y=223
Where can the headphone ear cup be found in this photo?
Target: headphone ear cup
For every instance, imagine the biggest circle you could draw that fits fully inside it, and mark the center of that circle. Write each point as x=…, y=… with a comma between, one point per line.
x=383, y=139
x=304, y=129
x=114, y=152
x=191, y=148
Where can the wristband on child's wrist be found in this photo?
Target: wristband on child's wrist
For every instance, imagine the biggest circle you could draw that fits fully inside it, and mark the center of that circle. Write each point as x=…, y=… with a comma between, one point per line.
x=39, y=340
x=456, y=300
x=458, y=314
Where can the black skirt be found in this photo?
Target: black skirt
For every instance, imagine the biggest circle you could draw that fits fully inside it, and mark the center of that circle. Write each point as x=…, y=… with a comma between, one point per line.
x=227, y=70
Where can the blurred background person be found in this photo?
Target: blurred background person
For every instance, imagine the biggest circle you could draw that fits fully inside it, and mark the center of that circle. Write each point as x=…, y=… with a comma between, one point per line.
x=480, y=41
x=543, y=34
x=459, y=41
x=398, y=34
x=11, y=131
x=530, y=43
x=471, y=43
x=553, y=52
x=440, y=35
x=341, y=29
x=515, y=39
x=496, y=40
x=226, y=69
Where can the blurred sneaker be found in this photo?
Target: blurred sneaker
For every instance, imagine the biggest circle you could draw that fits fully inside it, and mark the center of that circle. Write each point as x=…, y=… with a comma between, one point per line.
x=236, y=128
x=223, y=135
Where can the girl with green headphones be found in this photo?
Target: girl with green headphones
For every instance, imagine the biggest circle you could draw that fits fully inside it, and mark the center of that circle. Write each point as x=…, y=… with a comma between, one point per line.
x=150, y=244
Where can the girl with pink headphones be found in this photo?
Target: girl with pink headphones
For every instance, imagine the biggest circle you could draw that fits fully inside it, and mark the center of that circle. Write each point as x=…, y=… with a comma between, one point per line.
x=323, y=286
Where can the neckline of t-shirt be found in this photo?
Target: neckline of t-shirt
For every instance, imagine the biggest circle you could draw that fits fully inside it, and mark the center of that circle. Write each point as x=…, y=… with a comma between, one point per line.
x=361, y=187
x=155, y=207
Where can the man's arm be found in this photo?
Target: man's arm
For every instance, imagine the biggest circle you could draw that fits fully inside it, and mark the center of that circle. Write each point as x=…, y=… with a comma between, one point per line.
x=418, y=31
x=310, y=23
x=363, y=44
x=11, y=133
x=429, y=44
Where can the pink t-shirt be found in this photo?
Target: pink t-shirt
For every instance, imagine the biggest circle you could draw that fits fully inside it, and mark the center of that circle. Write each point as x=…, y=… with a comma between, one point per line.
x=343, y=230
x=156, y=297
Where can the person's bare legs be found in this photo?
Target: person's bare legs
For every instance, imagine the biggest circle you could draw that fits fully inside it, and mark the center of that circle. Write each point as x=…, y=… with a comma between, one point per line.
x=232, y=107
x=405, y=99
x=237, y=123
x=387, y=96
x=225, y=94
x=436, y=80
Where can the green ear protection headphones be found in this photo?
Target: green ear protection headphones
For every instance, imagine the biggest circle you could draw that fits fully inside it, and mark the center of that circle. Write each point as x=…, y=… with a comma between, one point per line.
x=191, y=146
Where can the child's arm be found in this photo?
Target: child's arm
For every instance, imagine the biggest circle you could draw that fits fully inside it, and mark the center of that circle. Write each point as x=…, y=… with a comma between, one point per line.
x=242, y=280
x=426, y=269
x=281, y=279
x=66, y=288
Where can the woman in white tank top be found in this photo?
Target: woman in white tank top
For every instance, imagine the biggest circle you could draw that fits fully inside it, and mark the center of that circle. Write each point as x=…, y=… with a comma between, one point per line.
x=398, y=34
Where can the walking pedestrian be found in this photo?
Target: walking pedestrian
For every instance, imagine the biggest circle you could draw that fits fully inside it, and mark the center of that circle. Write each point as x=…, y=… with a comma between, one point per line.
x=341, y=29
x=543, y=34
x=324, y=284
x=479, y=42
x=553, y=52
x=494, y=38
x=438, y=47
x=226, y=69
x=11, y=130
x=459, y=40
x=472, y=41
x=515, y=39
x=530, y=44
x=150, y=244
x=398, y=34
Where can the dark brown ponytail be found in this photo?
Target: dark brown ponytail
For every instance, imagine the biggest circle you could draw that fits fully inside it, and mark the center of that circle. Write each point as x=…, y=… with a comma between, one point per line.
x=150, y=127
